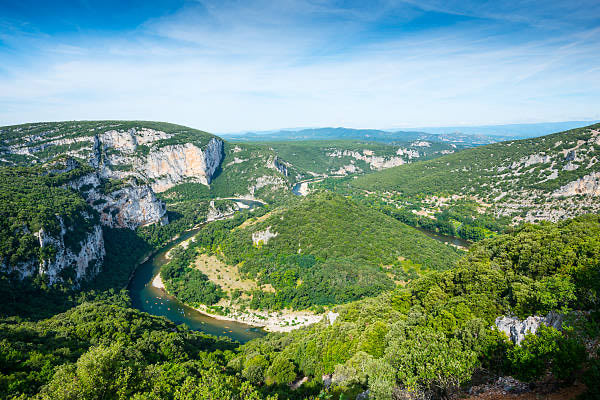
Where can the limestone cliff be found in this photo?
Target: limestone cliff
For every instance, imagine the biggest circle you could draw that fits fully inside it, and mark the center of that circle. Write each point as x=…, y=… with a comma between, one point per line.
x=129, y=207
x=170, y=165
x=375, y=162
x=61, y=261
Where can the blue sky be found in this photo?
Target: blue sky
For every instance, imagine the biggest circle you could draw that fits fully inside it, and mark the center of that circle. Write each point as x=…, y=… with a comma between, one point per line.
x=256, y=65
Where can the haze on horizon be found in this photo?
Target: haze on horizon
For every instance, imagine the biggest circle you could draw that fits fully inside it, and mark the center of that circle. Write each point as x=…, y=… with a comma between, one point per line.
x=227, y=66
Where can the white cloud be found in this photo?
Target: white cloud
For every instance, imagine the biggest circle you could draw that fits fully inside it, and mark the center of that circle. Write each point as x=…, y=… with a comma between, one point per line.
x=242, y=68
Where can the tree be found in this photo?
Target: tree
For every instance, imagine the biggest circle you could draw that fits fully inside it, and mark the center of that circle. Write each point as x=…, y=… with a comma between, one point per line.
x=281, y=371
x=254, y=368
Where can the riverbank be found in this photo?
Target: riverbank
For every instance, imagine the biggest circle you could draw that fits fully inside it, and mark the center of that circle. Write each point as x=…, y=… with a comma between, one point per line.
x=280, y=321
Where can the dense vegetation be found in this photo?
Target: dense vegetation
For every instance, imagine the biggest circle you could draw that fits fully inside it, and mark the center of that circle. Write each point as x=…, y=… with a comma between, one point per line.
x=327, y=156
x=104, y=351
x=433, y=335
x=327, y=250
x=408, y=324
x=32, y=199
x=460, y=217
x=428, y=337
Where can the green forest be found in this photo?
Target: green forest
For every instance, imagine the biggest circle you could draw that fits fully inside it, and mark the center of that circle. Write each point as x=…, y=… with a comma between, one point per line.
x=430, y=337
x=327, y=250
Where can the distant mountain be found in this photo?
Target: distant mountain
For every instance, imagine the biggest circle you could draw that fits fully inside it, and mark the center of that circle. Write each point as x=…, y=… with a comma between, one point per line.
x=507, y=131
x=462, y=136
x=458, y=139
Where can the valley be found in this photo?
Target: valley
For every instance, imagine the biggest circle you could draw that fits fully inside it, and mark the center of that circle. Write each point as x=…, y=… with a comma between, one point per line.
x=331, y=261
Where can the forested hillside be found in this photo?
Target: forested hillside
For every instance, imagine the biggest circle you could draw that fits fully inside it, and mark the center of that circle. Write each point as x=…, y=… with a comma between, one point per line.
x=433, y=336
x=480, y=192
x=343, y=157
x=321, y=250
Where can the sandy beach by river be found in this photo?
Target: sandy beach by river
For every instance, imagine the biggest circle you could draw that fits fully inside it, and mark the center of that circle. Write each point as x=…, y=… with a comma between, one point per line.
x=280, y=321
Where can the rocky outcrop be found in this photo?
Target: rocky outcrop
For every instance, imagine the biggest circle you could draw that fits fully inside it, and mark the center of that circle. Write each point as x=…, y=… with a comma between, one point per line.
x=278, y=165
x=78, y=262
x=215, y=213
x=375, y=162
x=516, y=329
x=332, y=316
x=170, y=165
x=588, y=185
x=263, y=237
x=129, y=207
x=266, y=180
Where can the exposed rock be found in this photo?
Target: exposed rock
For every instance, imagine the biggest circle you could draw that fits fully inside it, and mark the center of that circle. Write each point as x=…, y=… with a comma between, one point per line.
x=215, y=214
x=131, y=207
x=570, y=166
x=516, y=329
x=363, y=395
x=84, y=260
x=331, y=317
x=347, y=169
x=278, y=165
x=410, y=153
x=170, y=165
x=236, y=161
x=266, y=180
x=503, y=385
x=531, y=160
x=588, y=184
x=123, y=141
x=375, y=162
x=263, y=237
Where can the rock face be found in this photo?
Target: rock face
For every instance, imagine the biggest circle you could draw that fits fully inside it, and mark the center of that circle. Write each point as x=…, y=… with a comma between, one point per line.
x=516, y=329
x=78, y=262
x=263, y=237
x=170, y=165
x=375, y=162
x=129, y=207
x=133, y=206
x=278, y=165
x=86, y=262
x=117, y=155
x=589, y=184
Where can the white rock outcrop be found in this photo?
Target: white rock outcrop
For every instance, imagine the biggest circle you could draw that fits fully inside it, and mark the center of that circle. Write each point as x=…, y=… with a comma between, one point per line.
x=375, y=162
x=130, y=207
x=588, y=184
x=516, y=329
x=172, y=164
x=263, y=237
x=84, y=261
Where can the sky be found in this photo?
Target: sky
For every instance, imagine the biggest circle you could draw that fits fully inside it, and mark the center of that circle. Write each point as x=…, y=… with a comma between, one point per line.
x=228, y=66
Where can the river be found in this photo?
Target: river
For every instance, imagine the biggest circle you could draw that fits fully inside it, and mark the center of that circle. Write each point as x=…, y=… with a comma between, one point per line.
x=155, y=301
x=152, y=300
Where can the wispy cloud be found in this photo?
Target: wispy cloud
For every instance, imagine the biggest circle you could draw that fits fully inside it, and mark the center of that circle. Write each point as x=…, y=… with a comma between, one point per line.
x=235, y=65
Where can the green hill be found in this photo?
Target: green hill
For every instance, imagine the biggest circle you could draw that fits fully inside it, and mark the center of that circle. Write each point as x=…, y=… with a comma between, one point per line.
x=323, y=249
x=437, y=333
x=341, y=157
